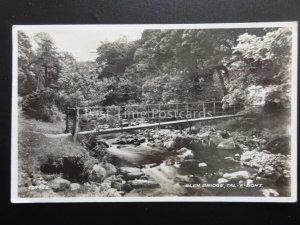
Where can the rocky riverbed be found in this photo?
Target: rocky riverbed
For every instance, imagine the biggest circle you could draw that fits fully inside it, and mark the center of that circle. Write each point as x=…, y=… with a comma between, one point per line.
x=164, y=162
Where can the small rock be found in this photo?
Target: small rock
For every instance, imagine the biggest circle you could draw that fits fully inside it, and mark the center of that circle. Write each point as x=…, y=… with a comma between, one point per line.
x=155, y=136
x=237, y=156
x=144, y=177
x=222, y=181
x=270, y=192
x=117, y=185
x=266, y=151
x=60, y=184
x=239, y=175
x=97, y=174
x=111, y=192
x=187, y=154
x=170, y=145
x=227, y=144
x=224, y=134
x=126, y=187
x=141, y=139
x=74, y=186
x=130, y=141
x=249, y=182
x=246, y=157
x=202, y=165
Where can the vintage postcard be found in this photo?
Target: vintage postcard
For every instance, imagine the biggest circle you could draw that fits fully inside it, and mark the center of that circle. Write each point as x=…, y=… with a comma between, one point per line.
x=131, y=113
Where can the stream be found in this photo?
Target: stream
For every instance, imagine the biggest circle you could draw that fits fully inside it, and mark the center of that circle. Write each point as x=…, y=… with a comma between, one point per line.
x=158, y=163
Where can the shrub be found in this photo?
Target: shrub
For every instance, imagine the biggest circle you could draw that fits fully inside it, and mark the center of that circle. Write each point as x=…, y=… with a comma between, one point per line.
x=40, y=105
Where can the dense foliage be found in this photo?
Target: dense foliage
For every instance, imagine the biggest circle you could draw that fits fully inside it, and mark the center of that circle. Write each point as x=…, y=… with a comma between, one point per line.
x=252, y=66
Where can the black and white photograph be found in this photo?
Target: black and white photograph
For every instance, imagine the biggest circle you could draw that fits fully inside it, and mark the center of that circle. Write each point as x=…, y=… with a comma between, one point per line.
x=134, y=113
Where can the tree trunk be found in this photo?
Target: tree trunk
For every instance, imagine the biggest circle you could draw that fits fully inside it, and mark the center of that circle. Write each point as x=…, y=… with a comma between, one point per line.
x=221, y=78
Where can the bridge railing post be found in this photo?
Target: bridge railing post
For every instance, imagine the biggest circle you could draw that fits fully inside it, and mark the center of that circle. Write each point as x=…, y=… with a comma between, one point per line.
x=214, y=109
x=187, y=110
x=159, y=116
x=121, y=118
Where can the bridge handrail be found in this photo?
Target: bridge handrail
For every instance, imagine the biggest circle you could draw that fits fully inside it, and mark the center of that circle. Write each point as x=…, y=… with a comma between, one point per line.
x=143, y=105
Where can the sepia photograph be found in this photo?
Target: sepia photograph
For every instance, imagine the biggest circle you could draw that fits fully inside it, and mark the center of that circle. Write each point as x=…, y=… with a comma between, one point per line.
x=134, y=113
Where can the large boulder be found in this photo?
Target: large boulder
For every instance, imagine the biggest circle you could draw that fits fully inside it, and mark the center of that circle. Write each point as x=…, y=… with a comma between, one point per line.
x=246, y=156
x=60, y=184
x=215, y=139
x=132, y=176
x=185, y=154
x=110, y=169
x=279, y=145
x=143, y=184
x=239, y=175
x=97, y=174
x=227, y=144
x=170, y=145
x=126, y=170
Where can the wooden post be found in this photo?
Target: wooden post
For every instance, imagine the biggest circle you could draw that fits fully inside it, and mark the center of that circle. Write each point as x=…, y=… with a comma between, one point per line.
x=203, y=108
x=67, y=121
x=147, y=110
x=234, y=108
x=159, y=116
x=76, y=125
x=177, y=109
x=214, y=108
x=187, y=109
x=121, y=120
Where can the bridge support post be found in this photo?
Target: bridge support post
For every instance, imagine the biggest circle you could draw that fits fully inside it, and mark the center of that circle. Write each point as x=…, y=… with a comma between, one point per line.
x=76, y=125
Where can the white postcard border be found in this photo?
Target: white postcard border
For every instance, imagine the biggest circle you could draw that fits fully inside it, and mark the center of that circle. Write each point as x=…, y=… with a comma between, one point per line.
x=14, y=121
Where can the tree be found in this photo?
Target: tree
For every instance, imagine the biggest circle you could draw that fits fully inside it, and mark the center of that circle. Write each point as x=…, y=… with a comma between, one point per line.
x=262, y=69
x=46, y=62
x=26, y=78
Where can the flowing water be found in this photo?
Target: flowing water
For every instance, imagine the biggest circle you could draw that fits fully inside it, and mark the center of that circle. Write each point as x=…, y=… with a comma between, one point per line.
x=155, y=162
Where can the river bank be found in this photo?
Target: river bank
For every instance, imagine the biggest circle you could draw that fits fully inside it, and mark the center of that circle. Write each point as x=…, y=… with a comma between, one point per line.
x=166, y=162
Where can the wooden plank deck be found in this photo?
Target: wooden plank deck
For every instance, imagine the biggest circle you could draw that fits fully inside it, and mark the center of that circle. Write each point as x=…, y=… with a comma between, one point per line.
x=145, y=126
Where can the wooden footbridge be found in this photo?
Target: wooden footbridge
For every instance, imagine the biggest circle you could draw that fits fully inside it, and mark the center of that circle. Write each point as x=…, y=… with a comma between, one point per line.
x=112, y=119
